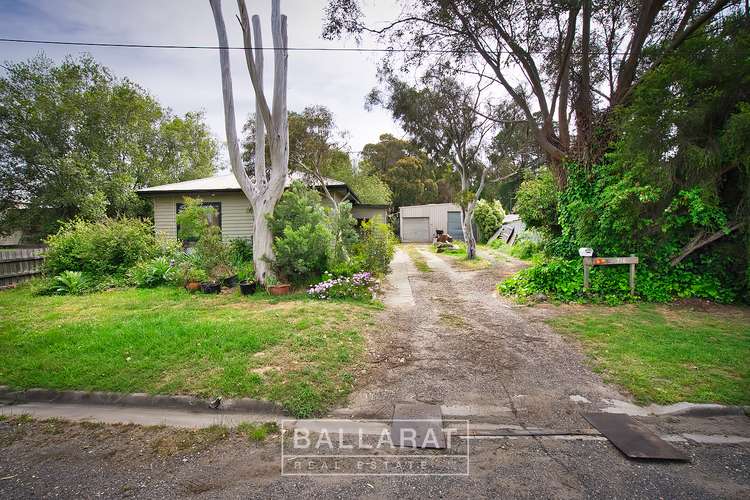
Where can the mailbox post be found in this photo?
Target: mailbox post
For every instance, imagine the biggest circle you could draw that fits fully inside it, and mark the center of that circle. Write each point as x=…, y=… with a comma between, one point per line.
x=589, y=262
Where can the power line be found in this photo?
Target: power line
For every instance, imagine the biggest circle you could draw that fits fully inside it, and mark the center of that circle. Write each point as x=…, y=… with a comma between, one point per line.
x=217, y=47
x=291, y=49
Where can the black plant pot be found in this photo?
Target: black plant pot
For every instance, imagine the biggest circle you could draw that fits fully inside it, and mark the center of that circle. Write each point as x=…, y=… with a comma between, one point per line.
x=248, y=288
x=210, y=287
x=230, y=281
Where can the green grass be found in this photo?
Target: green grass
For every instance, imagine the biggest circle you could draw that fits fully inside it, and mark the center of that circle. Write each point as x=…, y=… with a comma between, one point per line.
x=294, y=350
x=461, y=258
x=666, y=355
x=257, y=432
x=417, y=258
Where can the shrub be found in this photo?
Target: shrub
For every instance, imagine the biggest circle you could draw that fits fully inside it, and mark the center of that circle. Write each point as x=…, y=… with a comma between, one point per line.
x=210, y=254
x=192, y=220
x=360, y=286
x=240, y=251
x=562, y=279
x=246, y=272
x=302, y=239
x=376, y=247
x=344, y=234
x=188, y=272
x=151, y=273
x=71, y=283
x=102, y=248
x=536, y=202
x=301, y=254
x=488, y=216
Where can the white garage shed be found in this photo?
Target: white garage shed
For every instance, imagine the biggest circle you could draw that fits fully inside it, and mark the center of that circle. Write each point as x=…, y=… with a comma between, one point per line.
x=419, y=223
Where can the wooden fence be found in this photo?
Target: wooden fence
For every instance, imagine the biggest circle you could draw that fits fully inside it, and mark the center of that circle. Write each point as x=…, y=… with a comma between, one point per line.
x=19, y=264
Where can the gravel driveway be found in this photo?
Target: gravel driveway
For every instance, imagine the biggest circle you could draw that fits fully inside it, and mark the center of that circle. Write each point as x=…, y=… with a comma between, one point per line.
x=475, y=354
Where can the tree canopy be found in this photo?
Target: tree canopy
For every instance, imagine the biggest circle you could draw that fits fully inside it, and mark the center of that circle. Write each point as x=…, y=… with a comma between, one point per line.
x=76, y=141
x=318, y=148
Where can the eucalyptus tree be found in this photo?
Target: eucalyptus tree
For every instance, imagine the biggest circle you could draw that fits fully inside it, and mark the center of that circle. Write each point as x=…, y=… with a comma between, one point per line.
x=78, y=141
x=554, y=59
x=449, y=120
x=265, y=184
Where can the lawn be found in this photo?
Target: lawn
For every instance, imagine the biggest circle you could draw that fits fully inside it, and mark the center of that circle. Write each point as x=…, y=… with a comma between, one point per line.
x=664, y=354
x=300, y=352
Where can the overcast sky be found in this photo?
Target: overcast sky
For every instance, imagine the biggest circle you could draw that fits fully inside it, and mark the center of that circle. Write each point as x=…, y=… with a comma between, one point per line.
x=187, y=80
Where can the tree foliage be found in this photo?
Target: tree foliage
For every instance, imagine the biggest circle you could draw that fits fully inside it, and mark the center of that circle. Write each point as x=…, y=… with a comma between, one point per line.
x=488, y=216
x=565, y=64
x=317, y=149
x=76, y=141
x=408, y=172
x=674, y=188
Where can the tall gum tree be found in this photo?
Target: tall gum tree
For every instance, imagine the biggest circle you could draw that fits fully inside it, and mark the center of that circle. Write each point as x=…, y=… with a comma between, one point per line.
x=265, y=185
x=546, y=56
x=445, y=118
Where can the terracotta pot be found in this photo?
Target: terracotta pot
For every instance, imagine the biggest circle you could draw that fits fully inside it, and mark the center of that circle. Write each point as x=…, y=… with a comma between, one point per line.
x=192, y=286
x=279, y=289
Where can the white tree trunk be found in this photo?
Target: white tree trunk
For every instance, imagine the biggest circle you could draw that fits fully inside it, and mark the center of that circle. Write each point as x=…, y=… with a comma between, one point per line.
x=262, y=240
x=265, y=188
x=467, y=226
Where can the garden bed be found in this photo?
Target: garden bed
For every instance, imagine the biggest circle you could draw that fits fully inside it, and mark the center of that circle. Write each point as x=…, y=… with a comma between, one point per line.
x=299, y=352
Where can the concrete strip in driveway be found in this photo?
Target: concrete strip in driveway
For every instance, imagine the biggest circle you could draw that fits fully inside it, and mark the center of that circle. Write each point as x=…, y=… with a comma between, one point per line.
x=400, y=293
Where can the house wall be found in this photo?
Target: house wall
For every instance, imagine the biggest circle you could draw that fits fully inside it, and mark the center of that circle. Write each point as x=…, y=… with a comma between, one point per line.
x=371, y=213
x=236, y=216
x=437, y=213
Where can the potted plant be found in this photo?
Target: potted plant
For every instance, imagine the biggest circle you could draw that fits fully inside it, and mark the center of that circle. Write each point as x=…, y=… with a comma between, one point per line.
x=226, y=275
x=275, y=288
x=192, y=277
x=212, y=286
x=248, y=285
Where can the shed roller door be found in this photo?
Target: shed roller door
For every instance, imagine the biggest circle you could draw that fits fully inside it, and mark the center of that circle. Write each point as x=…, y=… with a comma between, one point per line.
x=415, y=230
x=455, y=229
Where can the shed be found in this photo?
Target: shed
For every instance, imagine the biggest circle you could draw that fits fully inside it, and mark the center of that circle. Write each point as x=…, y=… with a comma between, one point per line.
x=419, y=223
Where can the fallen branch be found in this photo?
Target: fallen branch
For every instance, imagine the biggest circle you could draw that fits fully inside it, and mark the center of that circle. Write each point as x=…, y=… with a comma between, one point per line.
x=702, y=239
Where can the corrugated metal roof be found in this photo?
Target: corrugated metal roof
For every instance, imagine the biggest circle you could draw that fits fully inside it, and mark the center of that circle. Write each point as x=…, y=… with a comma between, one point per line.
x=226, y=182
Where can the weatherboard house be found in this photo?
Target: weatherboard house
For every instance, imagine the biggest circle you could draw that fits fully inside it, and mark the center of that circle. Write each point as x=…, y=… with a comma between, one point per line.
x=233, y=212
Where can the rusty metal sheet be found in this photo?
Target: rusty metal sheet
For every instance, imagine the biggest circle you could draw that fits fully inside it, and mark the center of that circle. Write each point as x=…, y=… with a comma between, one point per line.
x=631, y=438
x=417, y=425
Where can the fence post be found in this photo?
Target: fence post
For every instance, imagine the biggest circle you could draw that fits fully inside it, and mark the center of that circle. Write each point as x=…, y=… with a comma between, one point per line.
x=632, y=277
x=586, y=269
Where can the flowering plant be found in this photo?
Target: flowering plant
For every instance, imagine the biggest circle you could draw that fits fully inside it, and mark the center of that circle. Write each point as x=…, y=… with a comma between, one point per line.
x=358, y=286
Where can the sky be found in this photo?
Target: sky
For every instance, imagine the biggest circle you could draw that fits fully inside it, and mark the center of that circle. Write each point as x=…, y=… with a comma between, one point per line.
x=189, y=80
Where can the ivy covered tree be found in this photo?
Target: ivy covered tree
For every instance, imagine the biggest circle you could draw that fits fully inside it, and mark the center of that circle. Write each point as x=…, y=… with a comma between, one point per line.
x=76, y=141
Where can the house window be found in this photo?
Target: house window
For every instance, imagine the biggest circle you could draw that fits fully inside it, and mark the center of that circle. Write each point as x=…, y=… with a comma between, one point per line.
x=213, y=220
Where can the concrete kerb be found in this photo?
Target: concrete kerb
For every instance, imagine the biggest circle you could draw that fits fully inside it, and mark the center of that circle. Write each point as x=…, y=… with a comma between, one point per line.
x=683, y=409
x=142, y=400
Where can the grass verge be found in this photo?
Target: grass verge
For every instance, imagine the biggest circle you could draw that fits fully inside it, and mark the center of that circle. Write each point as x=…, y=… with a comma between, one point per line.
x=459, y=256
x=662, y=355
x=297, y=351
x=417, y=258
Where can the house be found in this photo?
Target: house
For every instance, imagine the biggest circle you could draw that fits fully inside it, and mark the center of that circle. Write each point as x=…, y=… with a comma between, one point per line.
x=233, y=211
x=419, y=223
